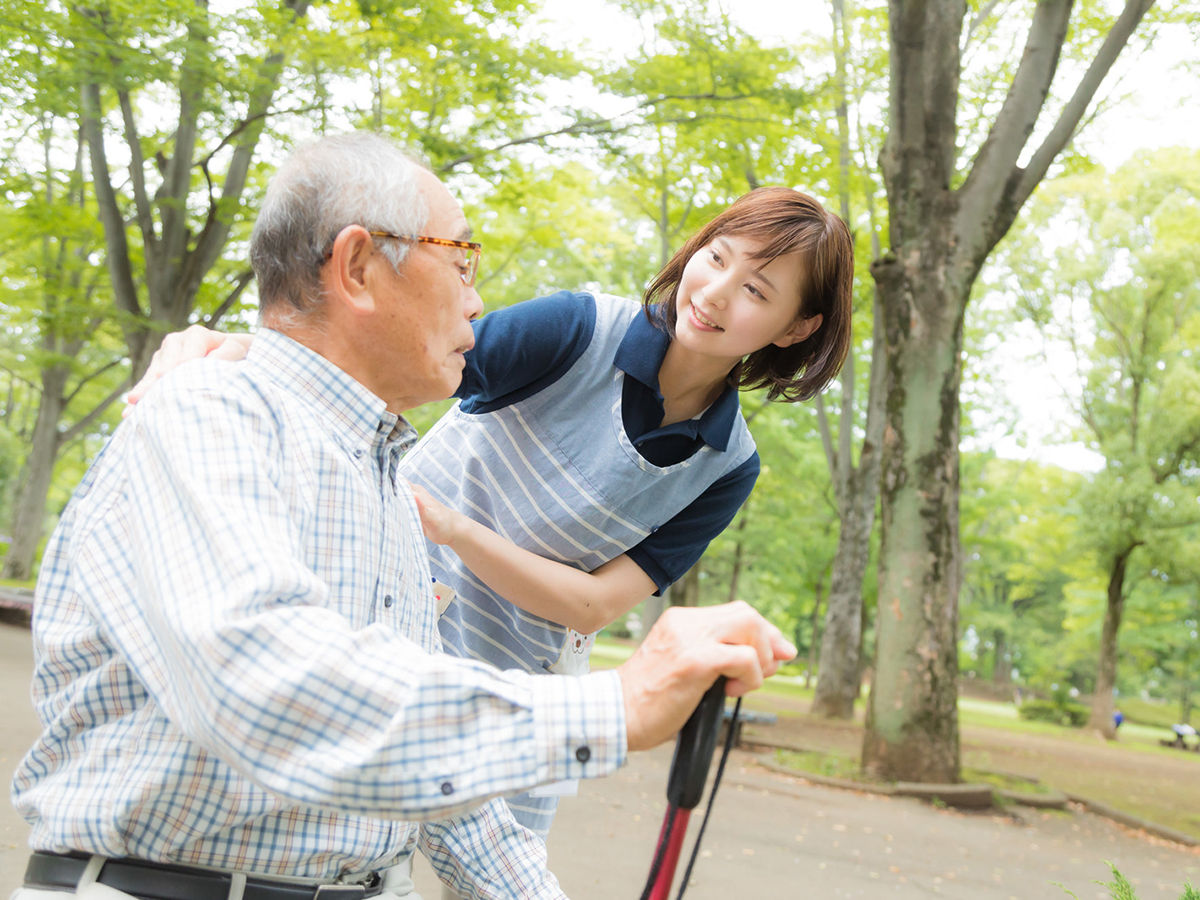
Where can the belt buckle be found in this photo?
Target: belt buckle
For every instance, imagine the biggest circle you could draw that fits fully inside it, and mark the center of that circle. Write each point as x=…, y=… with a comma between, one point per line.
x=340, y=892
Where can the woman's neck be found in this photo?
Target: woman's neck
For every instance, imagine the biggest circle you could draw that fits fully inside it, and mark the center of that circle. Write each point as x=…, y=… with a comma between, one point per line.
x=689, y=384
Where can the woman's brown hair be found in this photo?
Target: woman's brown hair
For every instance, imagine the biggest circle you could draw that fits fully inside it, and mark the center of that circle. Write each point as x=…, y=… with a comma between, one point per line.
x=783, y=221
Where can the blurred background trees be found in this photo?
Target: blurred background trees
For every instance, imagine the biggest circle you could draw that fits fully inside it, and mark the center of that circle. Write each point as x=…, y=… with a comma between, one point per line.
x=136, y=142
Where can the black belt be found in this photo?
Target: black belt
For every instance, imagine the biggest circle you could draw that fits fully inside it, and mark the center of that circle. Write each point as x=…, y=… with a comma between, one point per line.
x=157, y=881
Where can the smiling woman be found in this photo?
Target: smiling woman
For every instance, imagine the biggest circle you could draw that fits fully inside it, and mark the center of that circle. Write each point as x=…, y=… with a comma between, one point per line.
x=605, y=441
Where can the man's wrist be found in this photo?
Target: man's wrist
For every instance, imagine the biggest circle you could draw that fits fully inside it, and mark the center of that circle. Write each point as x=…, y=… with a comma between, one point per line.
x=579, y=724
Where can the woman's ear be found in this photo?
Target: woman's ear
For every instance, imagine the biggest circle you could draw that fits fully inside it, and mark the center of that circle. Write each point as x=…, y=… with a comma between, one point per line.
x=801, y=330
x=345, y=273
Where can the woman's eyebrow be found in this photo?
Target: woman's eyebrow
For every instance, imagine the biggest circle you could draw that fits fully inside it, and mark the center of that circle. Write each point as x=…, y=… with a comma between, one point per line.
x=728, y=248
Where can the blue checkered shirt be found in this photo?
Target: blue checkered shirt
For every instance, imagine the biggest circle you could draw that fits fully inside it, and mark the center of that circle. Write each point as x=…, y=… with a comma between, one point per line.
x=233, y=632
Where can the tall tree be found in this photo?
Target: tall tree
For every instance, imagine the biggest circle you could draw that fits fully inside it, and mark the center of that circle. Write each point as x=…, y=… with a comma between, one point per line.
x=856, y=485
x=945, y=216
x=61, y=310
x=177, y=97
x=174, y=199
x=1125, y=296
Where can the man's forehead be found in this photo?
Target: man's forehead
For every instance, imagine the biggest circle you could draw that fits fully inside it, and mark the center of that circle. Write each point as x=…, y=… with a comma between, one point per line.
x=445, y=212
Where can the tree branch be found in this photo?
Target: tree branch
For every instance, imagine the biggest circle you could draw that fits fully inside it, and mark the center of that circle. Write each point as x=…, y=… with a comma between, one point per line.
x=587, y=126
x=831, y=456
x=115, y=241
x=138, y=174
x=1068, y=120
x=219, y=222
x=83, y=424
x=85, y=381
x=243, y=281
x=992, y=169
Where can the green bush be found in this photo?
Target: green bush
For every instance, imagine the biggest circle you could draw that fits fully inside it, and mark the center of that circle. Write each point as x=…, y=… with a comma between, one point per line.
x=1120, y=888
x=1060, y=712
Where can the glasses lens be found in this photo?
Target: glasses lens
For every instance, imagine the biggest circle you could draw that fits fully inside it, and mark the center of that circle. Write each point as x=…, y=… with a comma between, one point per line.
x=472, y=267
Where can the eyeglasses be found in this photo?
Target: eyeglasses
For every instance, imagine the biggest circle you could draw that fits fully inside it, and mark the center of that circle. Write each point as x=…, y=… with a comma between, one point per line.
x=474, y=251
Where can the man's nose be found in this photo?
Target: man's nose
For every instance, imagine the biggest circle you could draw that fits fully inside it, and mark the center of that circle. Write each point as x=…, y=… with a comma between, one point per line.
x=474, y=304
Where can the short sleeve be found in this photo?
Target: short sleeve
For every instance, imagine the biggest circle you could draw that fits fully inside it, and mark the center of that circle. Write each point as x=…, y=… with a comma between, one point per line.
x=525, y=348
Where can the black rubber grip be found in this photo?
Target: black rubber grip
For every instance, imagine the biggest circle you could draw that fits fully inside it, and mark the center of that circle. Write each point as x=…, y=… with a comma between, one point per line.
x=694, y=749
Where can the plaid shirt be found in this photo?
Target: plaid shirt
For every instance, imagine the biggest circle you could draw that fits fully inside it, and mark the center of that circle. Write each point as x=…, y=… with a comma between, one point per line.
x=233, y=629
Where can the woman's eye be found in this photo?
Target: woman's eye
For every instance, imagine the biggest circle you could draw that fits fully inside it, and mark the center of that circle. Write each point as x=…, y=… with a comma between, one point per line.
x=755, y=291
x=716, y=257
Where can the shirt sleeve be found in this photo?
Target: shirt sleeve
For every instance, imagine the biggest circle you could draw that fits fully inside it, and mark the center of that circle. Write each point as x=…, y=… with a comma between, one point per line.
x=488, y=854
x=667, y=554
x=230, y=633
x=525, y=348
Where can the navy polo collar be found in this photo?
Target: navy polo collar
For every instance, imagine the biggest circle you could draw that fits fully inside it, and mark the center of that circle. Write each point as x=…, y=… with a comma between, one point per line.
x=641, y=355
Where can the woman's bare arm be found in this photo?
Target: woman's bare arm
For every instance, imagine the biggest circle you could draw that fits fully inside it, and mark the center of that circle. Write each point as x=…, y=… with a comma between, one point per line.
x=585, y=601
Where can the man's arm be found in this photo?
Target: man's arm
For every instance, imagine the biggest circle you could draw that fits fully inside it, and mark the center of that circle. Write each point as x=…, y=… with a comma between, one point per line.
x=234, y=637
x=488, y=854
x=237, y=646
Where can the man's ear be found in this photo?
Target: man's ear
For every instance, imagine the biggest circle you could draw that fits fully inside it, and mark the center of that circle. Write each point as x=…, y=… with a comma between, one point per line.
x=800, y=331
x=345, y=272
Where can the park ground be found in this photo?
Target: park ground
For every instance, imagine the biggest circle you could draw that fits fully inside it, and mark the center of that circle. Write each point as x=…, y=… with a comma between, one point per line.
x=774, y=835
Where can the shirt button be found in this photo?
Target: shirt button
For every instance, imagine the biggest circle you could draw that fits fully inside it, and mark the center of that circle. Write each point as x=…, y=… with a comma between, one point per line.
x=447, y=788
x=388, y=600
x=358, y=453
x=583, y=754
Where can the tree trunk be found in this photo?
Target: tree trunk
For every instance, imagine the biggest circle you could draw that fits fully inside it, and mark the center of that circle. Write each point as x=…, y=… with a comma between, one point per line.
x=816, y=624
x=912, y=713
x=738, y=550
x=1101, y=719
x=30, y=512
x=838, y=682
x=686, y=591
x=942, y=228
x=1001, y=670
x=1185, y=689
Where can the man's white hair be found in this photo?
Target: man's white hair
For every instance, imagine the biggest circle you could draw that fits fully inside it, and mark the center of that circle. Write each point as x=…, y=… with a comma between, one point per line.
x=358, y=178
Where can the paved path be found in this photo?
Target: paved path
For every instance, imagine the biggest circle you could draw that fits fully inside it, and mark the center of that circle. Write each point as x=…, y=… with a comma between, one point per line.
x=770, y=836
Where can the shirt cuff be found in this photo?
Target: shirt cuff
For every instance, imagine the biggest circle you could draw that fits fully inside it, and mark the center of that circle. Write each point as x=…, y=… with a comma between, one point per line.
x=579, y=724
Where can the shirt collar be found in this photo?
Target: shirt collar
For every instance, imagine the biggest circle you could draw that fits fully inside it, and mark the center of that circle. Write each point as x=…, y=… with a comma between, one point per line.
x=356, y=411
x=641, y=355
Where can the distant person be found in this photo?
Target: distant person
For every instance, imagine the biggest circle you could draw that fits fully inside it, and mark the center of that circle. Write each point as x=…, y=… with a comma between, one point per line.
x=234, y=623
x=1118, y=718
x=1182, y=732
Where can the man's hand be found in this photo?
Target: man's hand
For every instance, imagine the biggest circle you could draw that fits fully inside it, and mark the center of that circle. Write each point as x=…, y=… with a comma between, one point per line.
x=183, y=346
x=682, y=656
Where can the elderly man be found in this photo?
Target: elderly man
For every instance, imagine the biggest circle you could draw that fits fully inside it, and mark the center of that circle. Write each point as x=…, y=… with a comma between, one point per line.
x=235, y=621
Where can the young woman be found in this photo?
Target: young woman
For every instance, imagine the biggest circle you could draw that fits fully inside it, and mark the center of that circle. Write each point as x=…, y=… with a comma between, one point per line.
x=599, y=446
x=604, y=439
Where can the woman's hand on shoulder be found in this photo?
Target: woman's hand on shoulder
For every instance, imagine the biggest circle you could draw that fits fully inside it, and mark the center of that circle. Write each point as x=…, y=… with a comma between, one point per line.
x=184, y=346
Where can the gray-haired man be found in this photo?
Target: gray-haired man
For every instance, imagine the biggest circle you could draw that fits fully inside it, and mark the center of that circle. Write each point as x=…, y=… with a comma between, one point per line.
x=235, y=623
